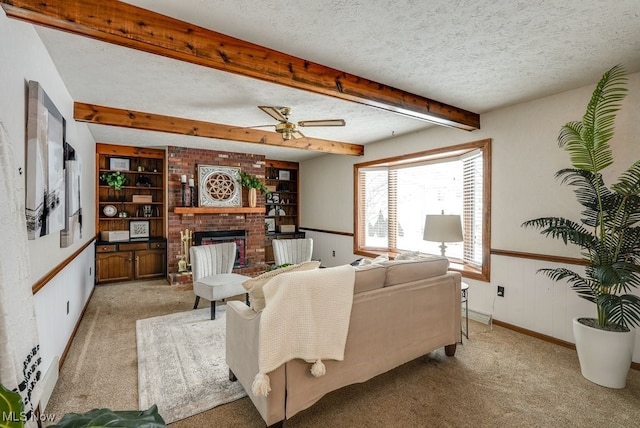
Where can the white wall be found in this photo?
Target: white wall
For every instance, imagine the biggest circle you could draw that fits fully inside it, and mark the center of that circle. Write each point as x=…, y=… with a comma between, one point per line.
x=23, y=57
x=525, y=159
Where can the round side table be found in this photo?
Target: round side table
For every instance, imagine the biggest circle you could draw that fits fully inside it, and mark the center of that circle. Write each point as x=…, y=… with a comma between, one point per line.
x=465, y=300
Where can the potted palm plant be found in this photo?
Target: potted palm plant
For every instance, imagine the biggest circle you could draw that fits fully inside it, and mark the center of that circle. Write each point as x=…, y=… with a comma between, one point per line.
x=254, y=184
x=608, y=235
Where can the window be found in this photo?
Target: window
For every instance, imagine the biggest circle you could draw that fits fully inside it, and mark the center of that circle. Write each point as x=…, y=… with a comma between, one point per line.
x=394, y=195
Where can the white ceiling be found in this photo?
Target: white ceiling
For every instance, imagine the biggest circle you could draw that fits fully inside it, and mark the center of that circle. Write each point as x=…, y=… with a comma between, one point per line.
x=476, y=55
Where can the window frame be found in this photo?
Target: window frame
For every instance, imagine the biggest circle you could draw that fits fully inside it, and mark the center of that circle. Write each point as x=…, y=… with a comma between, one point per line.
x=441, y=153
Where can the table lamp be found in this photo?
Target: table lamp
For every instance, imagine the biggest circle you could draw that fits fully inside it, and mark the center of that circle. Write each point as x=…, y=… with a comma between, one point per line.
x=442, y=228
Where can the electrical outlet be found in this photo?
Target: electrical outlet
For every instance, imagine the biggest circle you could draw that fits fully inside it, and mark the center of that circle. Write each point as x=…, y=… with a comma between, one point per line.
x=500, y=291
x=333, y=253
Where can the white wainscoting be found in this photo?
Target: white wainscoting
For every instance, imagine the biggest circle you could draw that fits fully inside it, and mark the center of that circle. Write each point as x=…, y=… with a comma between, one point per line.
x=531, y=300
x=325, y=244
x=55, y=326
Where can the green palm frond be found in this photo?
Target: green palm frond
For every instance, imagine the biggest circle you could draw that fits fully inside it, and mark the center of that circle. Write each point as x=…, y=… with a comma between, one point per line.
x=583, y=287
x=629, y=182
x=562, y=228
x=589, y=189
x=588, y=141
x=622, y=310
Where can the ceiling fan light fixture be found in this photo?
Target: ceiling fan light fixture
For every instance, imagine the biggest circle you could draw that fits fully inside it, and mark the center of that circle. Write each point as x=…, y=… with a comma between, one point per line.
x=289, y=130
x=283, y=127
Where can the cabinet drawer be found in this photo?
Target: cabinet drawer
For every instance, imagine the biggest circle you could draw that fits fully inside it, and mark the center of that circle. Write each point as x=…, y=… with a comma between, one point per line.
x=130, y=246
x=157, y=245
x=105, y=248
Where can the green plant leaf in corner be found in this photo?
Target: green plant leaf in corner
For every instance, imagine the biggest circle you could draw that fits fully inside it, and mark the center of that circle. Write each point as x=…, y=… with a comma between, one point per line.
x=149, y=418
x=11, y=409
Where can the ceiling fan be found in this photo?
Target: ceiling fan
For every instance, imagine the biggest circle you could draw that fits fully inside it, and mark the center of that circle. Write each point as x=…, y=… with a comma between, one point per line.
x=289, y=129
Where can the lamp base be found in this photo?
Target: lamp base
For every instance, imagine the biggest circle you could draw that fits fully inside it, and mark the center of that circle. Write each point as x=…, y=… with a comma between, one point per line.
x=442, y=249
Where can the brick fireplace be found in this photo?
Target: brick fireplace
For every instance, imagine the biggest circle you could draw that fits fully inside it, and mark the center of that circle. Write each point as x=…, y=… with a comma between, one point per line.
x=185, y=161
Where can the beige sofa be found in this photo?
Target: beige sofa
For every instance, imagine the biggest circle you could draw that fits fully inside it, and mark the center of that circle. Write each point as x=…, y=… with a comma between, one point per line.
x=401, y=310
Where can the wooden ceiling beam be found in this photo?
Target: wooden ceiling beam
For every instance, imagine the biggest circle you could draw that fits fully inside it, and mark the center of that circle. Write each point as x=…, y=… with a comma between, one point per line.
x=102, y=115
x=126, y=25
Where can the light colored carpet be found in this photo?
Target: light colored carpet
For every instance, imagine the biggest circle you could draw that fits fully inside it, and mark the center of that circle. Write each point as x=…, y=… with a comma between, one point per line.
x=181, y=363
x=498, y=379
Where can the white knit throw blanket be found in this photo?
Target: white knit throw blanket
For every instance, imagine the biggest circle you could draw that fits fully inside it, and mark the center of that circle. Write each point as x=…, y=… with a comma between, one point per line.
x=306, y=316
x=20, y=357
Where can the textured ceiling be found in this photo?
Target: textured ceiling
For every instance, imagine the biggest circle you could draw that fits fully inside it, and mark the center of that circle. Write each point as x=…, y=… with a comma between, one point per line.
x=476, y=55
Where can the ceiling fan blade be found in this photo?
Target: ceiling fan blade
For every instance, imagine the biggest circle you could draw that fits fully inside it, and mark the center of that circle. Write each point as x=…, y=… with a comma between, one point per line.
x=327, y=122
x=260, y=126
x=298, y=134
x=274, y=112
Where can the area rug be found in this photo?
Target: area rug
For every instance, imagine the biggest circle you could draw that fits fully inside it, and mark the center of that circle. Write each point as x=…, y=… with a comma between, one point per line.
x=181, y=363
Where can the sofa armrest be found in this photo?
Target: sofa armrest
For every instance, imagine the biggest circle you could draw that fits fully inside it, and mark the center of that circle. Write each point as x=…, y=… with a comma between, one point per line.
x=242, y=340
x=243, y=326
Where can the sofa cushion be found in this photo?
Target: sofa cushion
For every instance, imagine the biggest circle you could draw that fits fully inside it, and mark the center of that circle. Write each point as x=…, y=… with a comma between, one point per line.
x=369, y=277
x=377, y=260
x=408, y=255
x=399, y=272
x=254, y=285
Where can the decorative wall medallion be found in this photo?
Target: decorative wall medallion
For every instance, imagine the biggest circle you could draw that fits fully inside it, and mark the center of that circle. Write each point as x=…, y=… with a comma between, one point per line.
x=219, y=186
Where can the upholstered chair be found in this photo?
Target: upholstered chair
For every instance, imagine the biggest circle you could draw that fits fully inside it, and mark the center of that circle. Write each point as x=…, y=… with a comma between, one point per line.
x=213, y=278
x=292, y=251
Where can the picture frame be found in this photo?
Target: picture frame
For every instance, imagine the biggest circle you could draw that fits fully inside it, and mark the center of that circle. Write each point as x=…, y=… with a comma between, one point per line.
x=139, y=230
x=273, y=198
x=270, y=225
x=72, y=231
x=119, y=164
x=284, y=175
x=45, y=197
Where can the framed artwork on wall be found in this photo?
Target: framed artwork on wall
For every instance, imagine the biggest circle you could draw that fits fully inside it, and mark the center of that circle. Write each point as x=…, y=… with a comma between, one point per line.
x=72, y=231
x=45, y=187
x=119, y=164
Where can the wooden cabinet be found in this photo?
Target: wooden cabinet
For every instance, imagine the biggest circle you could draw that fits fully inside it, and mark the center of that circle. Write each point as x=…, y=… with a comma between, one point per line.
x=281, y=207
x=126, y=261
x=138, y=208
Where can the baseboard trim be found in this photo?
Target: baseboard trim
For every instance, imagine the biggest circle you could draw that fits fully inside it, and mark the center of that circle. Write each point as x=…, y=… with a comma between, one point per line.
x=75, y=329
x=49, y=381
x=480, y=317
x=546, y=338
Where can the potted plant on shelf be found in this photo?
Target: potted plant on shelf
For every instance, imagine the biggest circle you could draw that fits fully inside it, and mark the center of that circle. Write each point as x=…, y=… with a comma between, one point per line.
x=254, y=184
x=608, y=235
x=114, y=179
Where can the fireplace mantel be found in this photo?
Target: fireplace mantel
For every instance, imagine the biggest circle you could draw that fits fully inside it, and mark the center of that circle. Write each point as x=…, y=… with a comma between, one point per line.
x=218, y=210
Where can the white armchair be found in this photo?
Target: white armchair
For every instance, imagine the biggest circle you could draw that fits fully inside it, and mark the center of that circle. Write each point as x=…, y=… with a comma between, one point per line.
x=213, y=279
x=292, y=251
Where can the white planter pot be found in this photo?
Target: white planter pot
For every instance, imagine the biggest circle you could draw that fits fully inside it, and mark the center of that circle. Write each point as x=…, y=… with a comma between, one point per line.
x=605, y=356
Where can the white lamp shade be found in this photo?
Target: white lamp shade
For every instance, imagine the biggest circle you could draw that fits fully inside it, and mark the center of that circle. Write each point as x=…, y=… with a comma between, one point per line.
x=443, y=228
